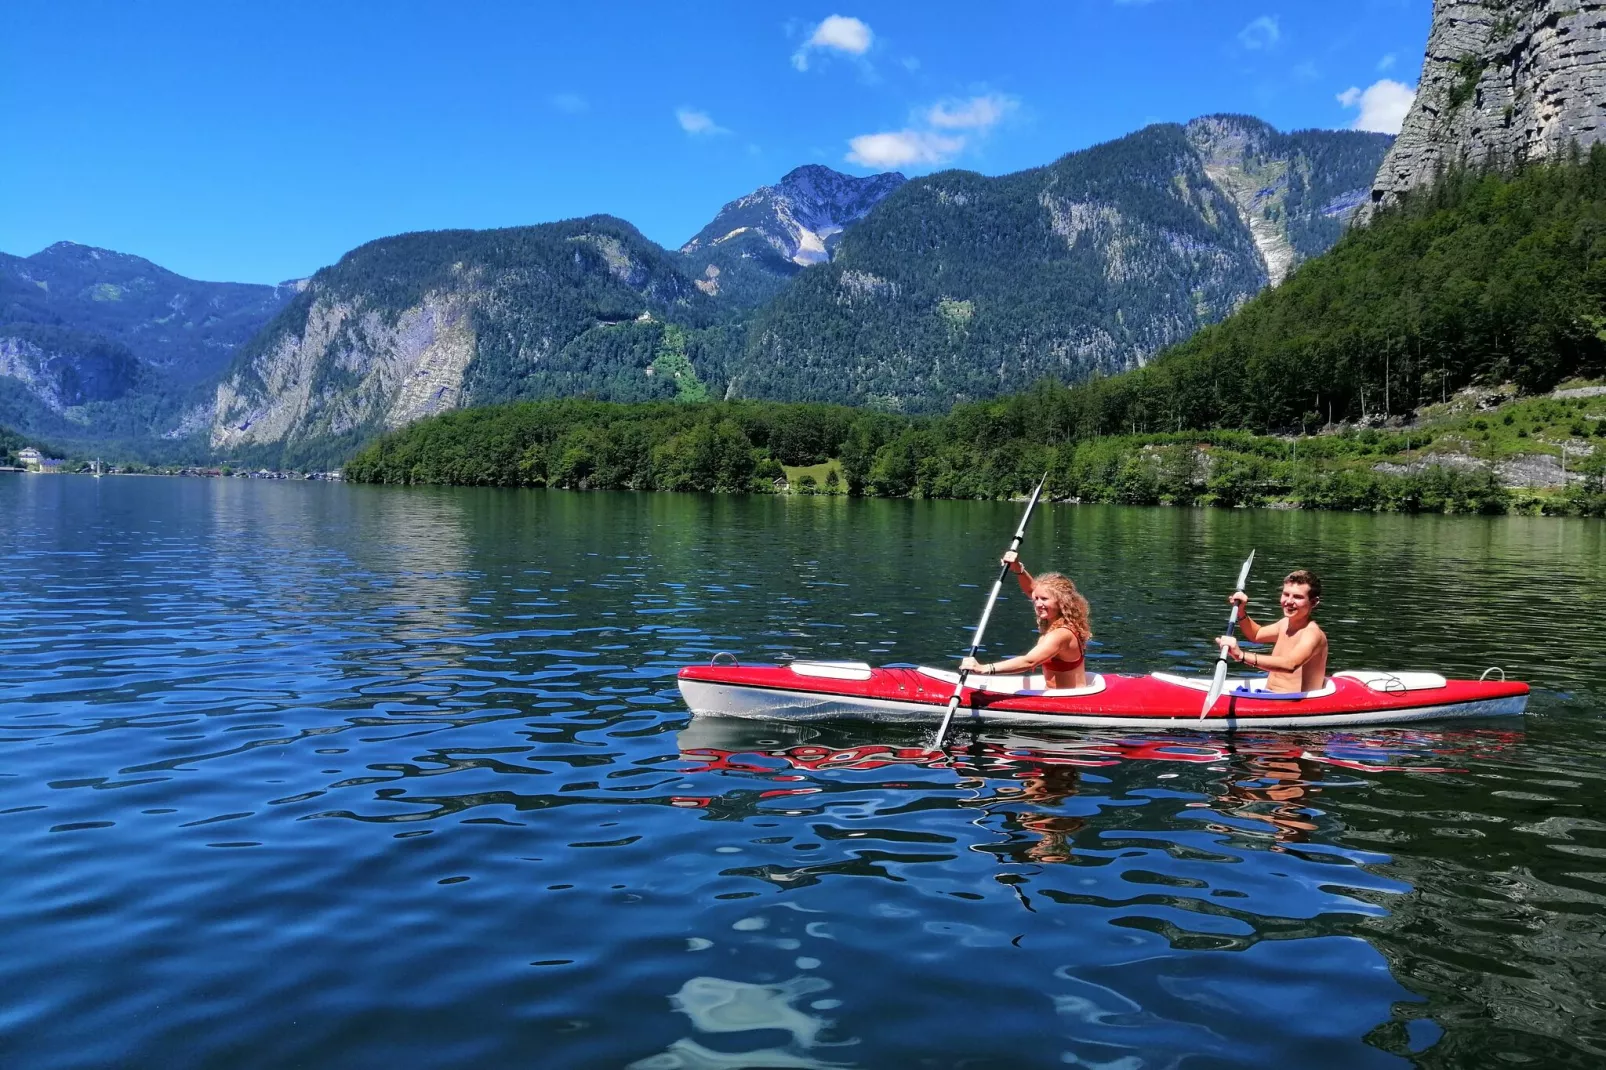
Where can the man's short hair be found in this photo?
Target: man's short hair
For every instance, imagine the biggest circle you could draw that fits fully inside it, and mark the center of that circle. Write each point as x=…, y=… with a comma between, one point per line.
x=1309, y=579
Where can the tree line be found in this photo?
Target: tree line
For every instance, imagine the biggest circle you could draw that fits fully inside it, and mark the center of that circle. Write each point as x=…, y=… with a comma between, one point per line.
x=979, y=451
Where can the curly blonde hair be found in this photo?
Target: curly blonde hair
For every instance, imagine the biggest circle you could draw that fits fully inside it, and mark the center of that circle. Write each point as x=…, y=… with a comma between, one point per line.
x=1074, y=612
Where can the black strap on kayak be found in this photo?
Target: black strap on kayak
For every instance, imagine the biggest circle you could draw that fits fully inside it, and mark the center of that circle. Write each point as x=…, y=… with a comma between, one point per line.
x=975, y=640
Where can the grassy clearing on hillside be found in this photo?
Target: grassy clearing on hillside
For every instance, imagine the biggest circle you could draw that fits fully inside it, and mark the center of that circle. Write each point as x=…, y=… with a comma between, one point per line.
x=1513, y=428
x=818, y=472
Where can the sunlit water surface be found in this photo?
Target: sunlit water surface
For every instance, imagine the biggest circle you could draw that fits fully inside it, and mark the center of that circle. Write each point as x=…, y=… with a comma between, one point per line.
x=324, y=776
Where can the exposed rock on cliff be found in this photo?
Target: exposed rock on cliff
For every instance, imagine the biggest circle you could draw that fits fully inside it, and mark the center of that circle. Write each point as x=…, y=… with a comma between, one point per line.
x=1293, y=191
x=758, y=242
x=417, y=324
x=1502, y=81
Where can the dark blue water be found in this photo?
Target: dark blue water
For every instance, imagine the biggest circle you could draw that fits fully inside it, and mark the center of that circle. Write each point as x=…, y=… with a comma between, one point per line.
x=323, y=776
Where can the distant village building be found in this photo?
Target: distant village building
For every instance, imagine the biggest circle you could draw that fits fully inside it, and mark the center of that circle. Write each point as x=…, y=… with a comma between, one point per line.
x=34, y=461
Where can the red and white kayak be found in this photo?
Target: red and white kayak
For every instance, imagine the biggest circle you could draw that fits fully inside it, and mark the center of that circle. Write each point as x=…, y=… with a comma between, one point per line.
x=822, y=690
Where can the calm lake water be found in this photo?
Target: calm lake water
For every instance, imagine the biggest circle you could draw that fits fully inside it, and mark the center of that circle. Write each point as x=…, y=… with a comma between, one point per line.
x=322, y=776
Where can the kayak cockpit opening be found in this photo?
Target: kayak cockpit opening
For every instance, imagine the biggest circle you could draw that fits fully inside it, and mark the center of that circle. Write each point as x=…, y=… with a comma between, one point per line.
x=1245, y=687
x=1015, y=685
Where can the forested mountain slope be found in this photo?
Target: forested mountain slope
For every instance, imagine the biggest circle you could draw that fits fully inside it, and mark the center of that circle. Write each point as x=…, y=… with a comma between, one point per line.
x=1433, y=307
x=1484, y=277
x=420, y=323
x=186, y=328
x=102, y=346
x=962, y=286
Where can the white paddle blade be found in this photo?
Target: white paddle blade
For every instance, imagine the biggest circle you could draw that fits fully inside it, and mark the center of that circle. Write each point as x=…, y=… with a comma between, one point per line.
x=1243, y=573
x=1217, y=683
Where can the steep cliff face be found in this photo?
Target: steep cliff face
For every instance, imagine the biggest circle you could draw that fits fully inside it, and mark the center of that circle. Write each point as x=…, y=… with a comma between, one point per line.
x=61, y=369
x=1293, y=191
x=408, y=326
x=1502, y=80
x=350, y=367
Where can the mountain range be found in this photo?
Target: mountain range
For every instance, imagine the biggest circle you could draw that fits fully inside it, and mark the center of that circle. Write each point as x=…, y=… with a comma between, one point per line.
x=98, y=346
x=906, y=295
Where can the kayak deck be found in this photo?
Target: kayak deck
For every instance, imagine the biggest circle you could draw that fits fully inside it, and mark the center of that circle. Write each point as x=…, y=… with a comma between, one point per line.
x=854, y=690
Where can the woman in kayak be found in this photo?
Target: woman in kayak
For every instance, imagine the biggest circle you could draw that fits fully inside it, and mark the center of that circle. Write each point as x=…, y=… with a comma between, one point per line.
x=1062, y=624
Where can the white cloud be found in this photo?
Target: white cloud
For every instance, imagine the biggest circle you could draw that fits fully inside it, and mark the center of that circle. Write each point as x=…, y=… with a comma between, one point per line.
x=1383, y=105
x=1386, y=62
x=903, y=148
x=935, y=135
x=977, y=113
x=839, y=33
x=698, y=123
x=569, y=103
x=1260, y=33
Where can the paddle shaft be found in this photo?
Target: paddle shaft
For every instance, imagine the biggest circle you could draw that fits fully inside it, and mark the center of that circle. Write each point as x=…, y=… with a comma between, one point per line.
x=981, y=627
x=1220, y=678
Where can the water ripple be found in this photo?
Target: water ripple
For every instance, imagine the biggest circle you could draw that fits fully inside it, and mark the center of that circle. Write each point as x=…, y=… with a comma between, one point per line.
x=354, y=776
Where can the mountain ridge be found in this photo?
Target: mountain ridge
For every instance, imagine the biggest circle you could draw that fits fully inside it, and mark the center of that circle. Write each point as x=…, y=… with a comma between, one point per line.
x=412, y=324
x=962, y=286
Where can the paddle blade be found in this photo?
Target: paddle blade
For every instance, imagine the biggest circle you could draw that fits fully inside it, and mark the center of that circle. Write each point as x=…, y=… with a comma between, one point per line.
x=1217, y=683
x=1243, y=573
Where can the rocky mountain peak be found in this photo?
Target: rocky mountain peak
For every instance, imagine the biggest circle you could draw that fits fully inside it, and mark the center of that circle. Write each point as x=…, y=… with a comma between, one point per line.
x=71, y=252
x=1502, y=80
x=1221, y=136
x=801, y=216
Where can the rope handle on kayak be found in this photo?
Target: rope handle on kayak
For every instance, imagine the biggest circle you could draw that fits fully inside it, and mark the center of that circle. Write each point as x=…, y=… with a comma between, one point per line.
x=1484, y=675
x=1393, y=685
x=730, y=658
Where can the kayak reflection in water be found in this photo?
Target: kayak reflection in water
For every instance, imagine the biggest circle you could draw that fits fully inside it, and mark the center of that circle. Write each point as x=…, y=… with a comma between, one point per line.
x=1298, y=660
x=1062, y=624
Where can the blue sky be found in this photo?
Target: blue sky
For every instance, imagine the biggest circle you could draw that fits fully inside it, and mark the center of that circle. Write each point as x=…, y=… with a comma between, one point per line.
x=256, y=142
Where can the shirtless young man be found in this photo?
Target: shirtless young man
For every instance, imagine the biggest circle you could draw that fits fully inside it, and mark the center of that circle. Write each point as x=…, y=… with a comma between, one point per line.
x=1298, y=661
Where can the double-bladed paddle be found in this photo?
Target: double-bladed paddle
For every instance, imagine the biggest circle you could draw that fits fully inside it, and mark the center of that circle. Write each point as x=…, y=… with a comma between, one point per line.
x=975, y=641
x=1220, y=679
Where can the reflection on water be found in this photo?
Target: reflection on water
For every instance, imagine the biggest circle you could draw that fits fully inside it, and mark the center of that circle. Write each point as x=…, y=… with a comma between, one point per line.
x=347, y=776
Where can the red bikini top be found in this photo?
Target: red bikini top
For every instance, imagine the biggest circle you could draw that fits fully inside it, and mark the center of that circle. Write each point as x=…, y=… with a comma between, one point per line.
x=1058, y=665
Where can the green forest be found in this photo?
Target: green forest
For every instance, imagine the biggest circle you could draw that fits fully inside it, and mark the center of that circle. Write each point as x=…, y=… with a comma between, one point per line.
x=987, y=450
x=1483, y=279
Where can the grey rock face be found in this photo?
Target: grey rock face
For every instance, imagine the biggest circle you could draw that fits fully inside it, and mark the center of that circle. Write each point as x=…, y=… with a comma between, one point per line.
x=1503, y=80
x=802, y=216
